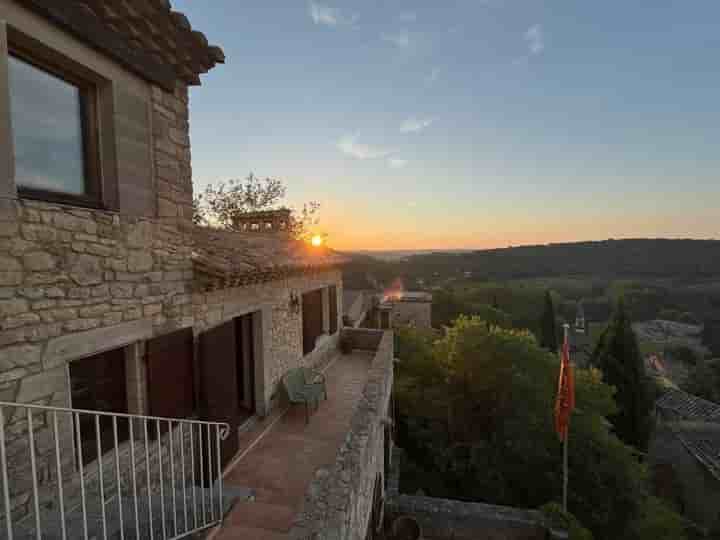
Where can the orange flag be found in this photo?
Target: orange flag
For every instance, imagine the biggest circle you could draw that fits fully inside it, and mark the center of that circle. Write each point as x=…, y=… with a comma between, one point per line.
x=565, y=401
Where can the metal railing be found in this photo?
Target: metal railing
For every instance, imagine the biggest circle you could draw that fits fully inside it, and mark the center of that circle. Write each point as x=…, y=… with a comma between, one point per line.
x=72, y=473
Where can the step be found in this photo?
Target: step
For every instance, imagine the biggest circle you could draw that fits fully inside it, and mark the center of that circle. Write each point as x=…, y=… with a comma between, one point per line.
x=51, y=526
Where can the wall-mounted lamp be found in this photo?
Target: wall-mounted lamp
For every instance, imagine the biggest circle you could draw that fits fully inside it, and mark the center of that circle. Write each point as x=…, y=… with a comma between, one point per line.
x=294, y=302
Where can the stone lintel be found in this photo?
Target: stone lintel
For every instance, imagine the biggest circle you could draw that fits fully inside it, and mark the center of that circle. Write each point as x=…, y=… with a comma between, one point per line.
x=74, y=346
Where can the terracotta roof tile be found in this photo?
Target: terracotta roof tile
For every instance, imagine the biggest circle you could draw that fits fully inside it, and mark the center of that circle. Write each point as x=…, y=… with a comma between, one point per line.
x=688, y=406
x=228, y=258
x=145, y=27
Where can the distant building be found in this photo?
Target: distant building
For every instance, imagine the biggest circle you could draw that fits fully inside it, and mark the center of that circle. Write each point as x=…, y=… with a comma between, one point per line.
x=580, y=318
x=406, y=308
x=684, y=456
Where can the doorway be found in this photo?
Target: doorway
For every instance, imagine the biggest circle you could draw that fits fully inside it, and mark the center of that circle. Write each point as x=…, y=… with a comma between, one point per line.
x=245, y=359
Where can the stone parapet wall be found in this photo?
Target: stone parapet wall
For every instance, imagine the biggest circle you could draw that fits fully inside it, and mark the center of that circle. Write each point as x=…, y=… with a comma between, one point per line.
x=338, y=503
x=366, y=339
x=447, y=519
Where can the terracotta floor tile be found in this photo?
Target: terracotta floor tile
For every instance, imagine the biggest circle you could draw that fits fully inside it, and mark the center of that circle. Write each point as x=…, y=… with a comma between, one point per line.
x=281, y=465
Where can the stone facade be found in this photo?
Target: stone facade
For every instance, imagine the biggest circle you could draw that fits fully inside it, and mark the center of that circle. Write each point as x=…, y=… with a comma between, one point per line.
x=280, y=325
x=339, y=502
x=77, y=281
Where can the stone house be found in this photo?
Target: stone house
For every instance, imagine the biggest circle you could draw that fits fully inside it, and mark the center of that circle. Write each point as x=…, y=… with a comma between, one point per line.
x=110, y=298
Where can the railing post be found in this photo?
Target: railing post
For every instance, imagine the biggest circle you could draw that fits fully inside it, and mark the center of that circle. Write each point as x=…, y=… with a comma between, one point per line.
x=149, y=484
x=6, y=489
x=220, y=473
x=192, y=467
x=82, y=474
x=100, y=475
x=160, y=478
x=118, y=482
x=172, y=475
x=58, y=464
x=183, y=476
x=134, y=479
x=210, y=486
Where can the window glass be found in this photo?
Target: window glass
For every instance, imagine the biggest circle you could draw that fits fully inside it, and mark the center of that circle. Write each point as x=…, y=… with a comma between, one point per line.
x=46, y=117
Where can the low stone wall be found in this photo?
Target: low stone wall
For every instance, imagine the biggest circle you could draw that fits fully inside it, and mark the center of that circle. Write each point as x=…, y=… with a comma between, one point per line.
x=366, y=339
x=338, y=503
x=447, y=519
x=444, y=519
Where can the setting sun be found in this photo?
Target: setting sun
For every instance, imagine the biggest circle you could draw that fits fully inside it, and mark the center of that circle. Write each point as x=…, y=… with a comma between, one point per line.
x=316, y=240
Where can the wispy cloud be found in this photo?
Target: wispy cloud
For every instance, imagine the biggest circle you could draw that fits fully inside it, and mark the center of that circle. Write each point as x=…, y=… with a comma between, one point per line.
x=400, y=39
x=330, y=16
x=535, y=39
x=397, y=163
x=433, y=76
x=413, y=125
x=408, y=16
x=349, y=145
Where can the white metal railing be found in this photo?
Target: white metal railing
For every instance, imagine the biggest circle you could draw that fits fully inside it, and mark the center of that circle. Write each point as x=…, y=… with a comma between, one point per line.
x=156, y=478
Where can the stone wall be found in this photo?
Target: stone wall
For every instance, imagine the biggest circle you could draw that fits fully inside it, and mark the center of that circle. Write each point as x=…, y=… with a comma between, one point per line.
x=411, y=313
x=338, y=503
x=171, y=151
x=279, y=326
x=447, y=519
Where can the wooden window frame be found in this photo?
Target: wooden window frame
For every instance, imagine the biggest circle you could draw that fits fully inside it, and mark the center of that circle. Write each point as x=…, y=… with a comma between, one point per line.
x=41, y=57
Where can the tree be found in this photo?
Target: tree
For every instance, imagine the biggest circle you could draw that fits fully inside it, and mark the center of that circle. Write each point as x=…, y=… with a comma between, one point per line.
x=221, y=205
x=704, y=380
x=475, y=419
x=618, y=357
x=548, y=328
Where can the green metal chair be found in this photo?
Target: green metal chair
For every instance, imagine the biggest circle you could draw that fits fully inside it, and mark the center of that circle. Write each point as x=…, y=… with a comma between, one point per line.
x=305, y=385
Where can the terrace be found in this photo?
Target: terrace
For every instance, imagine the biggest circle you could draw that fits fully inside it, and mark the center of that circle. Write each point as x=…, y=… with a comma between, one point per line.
x=303, y=476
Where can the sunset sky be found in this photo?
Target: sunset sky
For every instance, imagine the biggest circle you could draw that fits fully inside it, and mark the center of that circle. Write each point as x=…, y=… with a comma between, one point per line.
x=469, y=123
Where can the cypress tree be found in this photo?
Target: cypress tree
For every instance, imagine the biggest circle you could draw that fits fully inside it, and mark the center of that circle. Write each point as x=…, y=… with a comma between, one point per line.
x=548, y=329
x=618, y=356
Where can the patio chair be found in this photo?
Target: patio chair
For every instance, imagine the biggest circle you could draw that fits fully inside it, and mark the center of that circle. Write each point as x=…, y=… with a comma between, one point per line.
x=305, y=385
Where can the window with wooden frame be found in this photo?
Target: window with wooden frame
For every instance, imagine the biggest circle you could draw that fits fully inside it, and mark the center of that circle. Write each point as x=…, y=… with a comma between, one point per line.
x=55, y=125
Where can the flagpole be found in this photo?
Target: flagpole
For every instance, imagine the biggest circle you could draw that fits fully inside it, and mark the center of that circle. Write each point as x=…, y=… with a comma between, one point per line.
x=565, y=441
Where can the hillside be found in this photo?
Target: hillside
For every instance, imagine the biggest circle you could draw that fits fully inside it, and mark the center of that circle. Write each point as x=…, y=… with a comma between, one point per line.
x=650, y=258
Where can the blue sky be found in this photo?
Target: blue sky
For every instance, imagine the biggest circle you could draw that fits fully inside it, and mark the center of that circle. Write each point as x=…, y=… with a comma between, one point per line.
x=469, y=123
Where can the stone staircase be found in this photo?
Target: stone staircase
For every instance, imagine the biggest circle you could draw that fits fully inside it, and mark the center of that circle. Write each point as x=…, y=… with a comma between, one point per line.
x=52, y=529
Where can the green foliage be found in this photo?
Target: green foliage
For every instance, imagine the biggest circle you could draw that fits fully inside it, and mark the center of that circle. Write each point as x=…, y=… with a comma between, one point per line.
x=656, y=521
x=476, y=420
x=618, y=357
x=222, y=204
x=704, y=380
x=548, y=328
x=565, y=520
x=683, y=354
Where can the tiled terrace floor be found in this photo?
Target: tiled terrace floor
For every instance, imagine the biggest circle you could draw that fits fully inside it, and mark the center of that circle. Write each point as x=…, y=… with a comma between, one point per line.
x=284, y=454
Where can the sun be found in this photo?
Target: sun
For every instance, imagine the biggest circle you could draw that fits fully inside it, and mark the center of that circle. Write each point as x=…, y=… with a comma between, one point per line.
x=316, y=240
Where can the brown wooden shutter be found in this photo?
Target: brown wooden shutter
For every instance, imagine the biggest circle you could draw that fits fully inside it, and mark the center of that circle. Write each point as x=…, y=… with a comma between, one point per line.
x=218, y=383
x=136, y=191
x=170, y=375
x=332, y=294
x=312, y=314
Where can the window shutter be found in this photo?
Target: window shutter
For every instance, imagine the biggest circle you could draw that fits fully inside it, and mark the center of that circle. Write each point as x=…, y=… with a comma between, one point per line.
x=312, y=319
x=332, y=294
x=170, y=375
